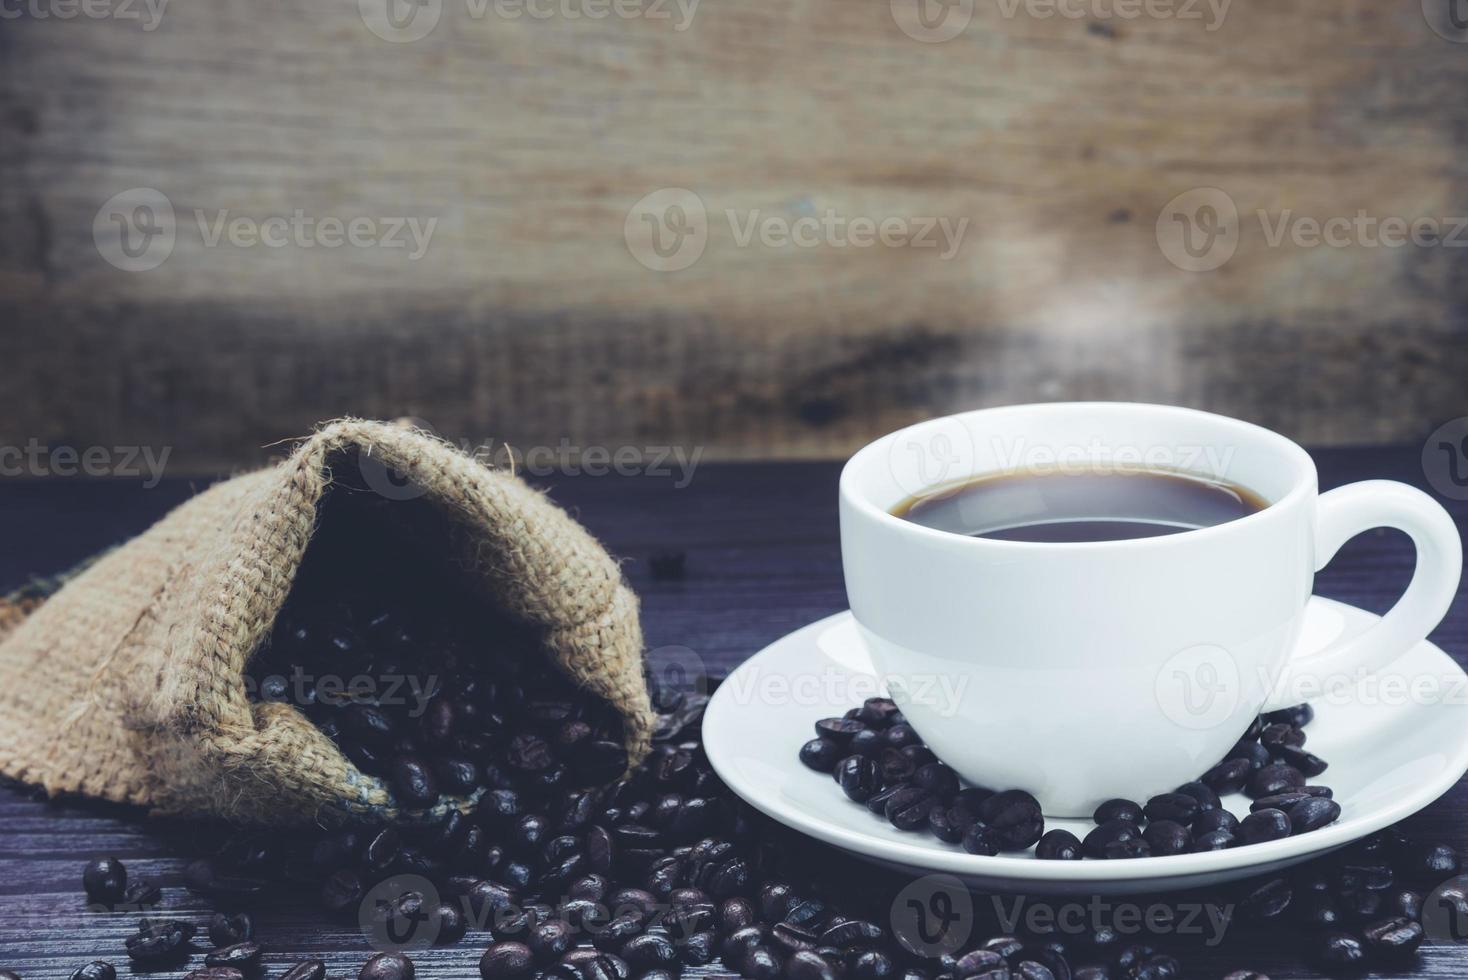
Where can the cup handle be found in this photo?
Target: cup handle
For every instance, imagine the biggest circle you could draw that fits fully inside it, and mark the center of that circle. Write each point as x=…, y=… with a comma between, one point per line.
x=1344, y=513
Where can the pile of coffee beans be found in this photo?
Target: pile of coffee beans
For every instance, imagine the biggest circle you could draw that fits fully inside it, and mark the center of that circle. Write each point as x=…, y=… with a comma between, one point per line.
x=666, y=869
x=437, y=702
x=879, y=761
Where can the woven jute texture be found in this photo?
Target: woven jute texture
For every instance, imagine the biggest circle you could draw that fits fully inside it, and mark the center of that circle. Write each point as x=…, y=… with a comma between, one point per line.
x=128, y=684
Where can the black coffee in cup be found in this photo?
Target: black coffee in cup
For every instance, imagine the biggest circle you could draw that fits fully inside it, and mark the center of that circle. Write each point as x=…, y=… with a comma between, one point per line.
x=1070, y=505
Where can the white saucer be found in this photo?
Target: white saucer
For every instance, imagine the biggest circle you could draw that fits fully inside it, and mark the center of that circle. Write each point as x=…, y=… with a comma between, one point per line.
x=1390, y=755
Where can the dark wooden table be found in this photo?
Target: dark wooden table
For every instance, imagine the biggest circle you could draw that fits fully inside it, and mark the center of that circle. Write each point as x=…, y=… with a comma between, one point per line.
x=762, y=558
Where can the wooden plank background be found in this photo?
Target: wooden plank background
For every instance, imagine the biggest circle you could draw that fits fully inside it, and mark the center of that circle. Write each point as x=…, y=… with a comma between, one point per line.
x=531, y=140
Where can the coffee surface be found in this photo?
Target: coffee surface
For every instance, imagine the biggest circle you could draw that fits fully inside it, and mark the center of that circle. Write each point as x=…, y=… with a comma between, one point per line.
x=1069, y=506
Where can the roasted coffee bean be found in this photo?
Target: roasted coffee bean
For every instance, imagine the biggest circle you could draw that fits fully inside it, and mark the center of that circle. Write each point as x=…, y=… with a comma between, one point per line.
x=341, y=891
x=942, y=825
x=455, y=775
x=1206, y=796
x=1167, y=837
x=1214, y=840
x=869, y=742
x=1111, y=832
x=858, y=777
x=413, y=782
x=735, y=914
x=821, y=754
x=649, y=951
x=1211, y=820
x=1309, y=764
x=1275, y=779
x=1281, y=802
x=1406, y=903
x=1324, y=792
x=873, y=965
x=140, y=893
x=1264, y=825
x=852, y=932
x=902, y=735
x=105, y=880
x=1266, y=899
x=1356, y=876
x=504, y=960
x=1246, y=975
x=983, y=839
x=878, y=711
x=1059, y=845
x=937, y=779
x=737, y=945
x=1393, y=939
x=1006, y=946
x=1118, y=809
x=1298, y=715
x=908, y=808
x=241, y=956
x=549, y=940
x=1313, y=813
x=306, y=970
x=1338, y=952
x=985, y=963
x=838, y=730
x=807, y=965
x=760, y=963
x=1252, y=752
x=530, y=753
x=1229, y=776
x=1014, y=816
x=966, y=802
x=1127, y=849
x=1277, y=736
x=1317, y=910
x=1179, y=807
x=159, y=941
x=96, y=970
x=790, y=937
x=1428, y=861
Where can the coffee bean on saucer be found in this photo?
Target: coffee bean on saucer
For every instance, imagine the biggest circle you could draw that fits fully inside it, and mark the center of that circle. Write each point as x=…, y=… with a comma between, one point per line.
x=937, y=779
x=105, y=880
x=1118, y=809
x=1172, y=806
x=1252, y=752
x=1015, y=815
x=1312, y=813
x=1229, y=776
x=1206, y=796
x=838, y=730
x=820, y=754
x=1059, y=845
x=1264, y=825
x=982, y=839
x=1309, y=764
x=944, y=824
x=1275, y=779
x=868, y=742
x=858, y=777
x=1214, y=840
x=1211, y=820
x=1298, y=715
x=1111, y=832
x=908, y=809
x=902, y=735
x=1324, y=792
x=1167, y=837
x=1277, y=736
x=1127, y=849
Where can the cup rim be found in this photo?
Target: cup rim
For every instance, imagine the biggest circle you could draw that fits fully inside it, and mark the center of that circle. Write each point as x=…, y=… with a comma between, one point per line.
x=1303, y=482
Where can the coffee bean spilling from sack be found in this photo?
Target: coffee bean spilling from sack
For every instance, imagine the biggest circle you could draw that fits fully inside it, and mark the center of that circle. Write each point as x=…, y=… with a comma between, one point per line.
x=434, y=703
x=879, y=761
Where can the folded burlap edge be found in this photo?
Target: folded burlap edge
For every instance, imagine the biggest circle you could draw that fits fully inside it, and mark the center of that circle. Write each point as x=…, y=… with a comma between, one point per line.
x=199, y=746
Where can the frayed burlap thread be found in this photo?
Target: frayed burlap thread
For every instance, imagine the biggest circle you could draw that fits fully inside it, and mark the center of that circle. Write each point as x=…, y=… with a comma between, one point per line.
x=128, y=684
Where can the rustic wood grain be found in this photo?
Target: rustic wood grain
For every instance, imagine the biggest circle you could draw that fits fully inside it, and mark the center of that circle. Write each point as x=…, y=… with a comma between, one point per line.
x=1059, y=140
x=762, y=558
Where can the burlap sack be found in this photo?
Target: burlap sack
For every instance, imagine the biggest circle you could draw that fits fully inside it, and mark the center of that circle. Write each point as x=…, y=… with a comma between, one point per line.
x=128, y=683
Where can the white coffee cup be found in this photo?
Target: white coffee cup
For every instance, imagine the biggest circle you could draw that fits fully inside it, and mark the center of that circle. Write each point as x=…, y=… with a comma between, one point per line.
x=1086, y=671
